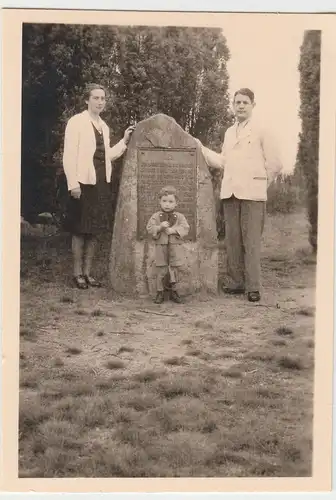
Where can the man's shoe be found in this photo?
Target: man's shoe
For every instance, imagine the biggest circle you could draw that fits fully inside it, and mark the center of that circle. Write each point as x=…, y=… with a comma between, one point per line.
x=234, y=291
x=92, y=281
x=159, y=298
x=174, y=296
x=80, y=282
x=253, y=296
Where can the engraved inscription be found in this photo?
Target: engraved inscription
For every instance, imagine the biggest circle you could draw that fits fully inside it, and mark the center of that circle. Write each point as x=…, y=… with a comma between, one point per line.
x=158, y=168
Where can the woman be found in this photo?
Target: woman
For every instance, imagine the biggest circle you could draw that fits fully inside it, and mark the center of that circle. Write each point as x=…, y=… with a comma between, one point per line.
x=87, y=166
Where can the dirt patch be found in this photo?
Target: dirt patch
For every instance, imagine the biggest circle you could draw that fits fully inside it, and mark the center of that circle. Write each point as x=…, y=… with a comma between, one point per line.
x=212, y=387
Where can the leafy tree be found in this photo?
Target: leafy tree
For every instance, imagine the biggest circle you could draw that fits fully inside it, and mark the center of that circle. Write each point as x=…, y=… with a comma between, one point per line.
x=177, y=71
x=308, y=151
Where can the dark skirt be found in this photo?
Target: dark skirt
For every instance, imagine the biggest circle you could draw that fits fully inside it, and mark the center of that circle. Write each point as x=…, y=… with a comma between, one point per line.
x=92, y=213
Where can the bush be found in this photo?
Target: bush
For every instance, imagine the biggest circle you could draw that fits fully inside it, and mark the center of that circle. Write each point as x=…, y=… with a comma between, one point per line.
x=216, y=178
x=284, y=196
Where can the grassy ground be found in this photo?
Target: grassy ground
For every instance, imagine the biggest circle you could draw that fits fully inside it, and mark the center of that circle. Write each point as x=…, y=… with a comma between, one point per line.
x=214, y=387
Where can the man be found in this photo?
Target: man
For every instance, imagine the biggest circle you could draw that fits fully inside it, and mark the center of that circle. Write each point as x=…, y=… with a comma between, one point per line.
x=250, y=162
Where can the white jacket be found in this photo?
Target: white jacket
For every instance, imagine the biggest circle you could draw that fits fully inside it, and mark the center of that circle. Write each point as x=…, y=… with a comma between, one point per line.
x=250, y=161
x=79, y=148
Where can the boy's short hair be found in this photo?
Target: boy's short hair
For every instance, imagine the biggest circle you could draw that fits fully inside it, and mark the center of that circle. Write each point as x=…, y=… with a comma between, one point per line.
x=245, y=91
x=166, y=190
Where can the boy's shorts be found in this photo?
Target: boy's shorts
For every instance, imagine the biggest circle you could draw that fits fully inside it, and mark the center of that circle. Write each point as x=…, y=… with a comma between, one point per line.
x=171, y=255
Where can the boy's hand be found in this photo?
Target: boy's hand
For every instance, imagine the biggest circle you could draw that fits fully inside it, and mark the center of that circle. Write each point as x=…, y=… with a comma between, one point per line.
x=164, y=224
x=170, y=230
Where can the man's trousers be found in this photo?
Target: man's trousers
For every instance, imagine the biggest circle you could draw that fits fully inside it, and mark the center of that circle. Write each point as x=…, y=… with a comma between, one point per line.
x=244, y=225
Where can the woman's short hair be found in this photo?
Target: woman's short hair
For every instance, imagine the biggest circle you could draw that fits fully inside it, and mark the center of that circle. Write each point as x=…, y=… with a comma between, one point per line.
x=245, y=91
x=166, y=190
x=90, y=87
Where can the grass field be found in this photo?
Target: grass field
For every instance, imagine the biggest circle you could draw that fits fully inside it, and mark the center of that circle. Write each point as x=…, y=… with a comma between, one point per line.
x=214, y=387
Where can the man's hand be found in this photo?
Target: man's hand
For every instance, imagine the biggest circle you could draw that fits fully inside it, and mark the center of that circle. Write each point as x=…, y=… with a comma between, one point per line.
x=76, y=193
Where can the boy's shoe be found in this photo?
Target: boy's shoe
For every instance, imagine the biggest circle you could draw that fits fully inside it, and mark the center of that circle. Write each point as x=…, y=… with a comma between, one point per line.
x=174, y=296
x=253, y=296
x=159, y=298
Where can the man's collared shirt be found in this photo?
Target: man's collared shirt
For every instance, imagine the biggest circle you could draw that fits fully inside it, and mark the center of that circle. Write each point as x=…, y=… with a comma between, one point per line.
x=250, y=161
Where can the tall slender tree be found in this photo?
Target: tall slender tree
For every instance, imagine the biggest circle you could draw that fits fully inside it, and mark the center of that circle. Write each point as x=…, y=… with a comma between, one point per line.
x=308, y=151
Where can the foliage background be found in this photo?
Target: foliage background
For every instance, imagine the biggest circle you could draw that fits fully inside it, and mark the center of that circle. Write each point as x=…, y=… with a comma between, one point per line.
x=179, y=71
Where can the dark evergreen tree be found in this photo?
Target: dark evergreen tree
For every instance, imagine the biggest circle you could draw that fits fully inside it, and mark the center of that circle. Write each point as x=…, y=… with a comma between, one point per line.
x=308, y=151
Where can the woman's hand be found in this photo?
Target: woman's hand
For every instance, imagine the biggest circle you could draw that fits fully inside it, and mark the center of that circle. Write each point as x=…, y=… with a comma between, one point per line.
x=128, y=132
x=76, y=192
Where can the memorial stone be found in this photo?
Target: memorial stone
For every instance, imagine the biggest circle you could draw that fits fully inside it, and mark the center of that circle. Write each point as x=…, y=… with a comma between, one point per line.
x=161, y=153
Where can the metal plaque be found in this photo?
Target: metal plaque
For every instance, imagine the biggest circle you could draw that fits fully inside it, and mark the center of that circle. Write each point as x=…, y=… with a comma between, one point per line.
x=159, y=167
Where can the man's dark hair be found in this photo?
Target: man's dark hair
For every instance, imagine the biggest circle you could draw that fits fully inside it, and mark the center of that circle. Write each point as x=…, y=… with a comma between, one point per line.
x=245, y=91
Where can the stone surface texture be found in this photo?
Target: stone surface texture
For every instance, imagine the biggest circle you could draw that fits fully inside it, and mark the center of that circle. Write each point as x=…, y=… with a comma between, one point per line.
x=132, y=266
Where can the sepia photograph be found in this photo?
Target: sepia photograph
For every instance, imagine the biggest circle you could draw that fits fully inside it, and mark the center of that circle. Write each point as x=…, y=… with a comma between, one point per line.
x=169, y=240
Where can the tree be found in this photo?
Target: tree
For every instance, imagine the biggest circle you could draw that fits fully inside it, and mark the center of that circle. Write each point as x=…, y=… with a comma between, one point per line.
x=173, y=70
x=308, y=150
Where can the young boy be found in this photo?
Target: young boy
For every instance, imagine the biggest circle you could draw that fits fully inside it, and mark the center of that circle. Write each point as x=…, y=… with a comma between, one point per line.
x=167, y=228
x=250, y=162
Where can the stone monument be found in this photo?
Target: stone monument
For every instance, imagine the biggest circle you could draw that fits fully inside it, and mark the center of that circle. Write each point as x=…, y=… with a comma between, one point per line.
x=161, y=153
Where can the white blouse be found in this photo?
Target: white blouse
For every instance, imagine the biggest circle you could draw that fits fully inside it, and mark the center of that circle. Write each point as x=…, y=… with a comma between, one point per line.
x=79, y=149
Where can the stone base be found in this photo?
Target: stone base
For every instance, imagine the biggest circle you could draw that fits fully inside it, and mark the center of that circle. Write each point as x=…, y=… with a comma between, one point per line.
x=198, y=273
x=132, y=266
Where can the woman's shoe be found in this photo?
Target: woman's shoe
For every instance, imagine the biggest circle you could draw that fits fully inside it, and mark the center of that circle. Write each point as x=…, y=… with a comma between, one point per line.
x=90, y=281
x=80, y=282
